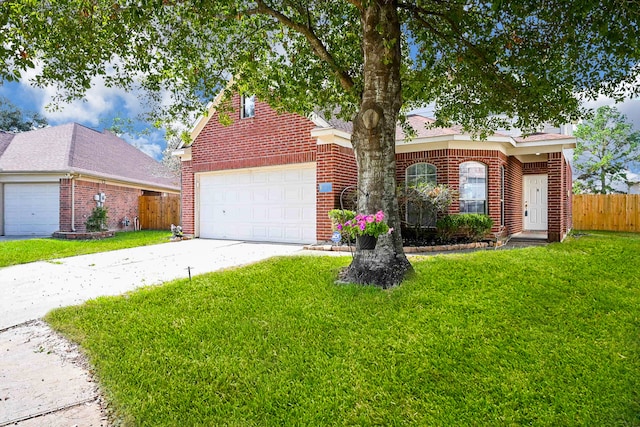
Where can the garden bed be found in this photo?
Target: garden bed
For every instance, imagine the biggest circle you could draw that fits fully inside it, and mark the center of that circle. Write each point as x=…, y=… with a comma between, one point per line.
x=407, y=249
x=85, y=235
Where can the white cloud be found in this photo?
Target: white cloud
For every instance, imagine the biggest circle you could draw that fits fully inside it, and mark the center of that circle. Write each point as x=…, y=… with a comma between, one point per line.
x=99, y=101
x=152, y=145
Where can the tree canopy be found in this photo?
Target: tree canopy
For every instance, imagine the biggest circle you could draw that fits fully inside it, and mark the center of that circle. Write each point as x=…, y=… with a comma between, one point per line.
x=607, y=146
x=528, y=60
x=13, y=119
x=483, y=64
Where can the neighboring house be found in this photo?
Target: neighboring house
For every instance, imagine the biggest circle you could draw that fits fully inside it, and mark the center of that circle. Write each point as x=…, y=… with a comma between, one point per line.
x=274, y=177
x=50, y=179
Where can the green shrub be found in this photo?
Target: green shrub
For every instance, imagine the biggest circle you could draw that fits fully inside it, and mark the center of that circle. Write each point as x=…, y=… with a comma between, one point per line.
x=421, y=204
x=97, y=221
x=473, y=227
x=340, y=216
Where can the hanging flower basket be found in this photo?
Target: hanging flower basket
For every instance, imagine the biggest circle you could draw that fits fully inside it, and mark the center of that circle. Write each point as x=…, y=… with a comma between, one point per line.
x=366, y=242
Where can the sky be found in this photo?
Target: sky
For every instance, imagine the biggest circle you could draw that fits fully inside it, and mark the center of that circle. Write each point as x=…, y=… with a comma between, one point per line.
x=102, y=104
x=96, y=111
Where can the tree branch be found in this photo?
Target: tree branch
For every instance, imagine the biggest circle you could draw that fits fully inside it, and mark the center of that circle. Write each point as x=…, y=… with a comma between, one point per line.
x=316, y=44
x=418, y=13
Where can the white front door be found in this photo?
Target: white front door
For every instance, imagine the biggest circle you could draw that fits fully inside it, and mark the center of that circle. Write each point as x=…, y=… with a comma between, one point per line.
x=535, y=202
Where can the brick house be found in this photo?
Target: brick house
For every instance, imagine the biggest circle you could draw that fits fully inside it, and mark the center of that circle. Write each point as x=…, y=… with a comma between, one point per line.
x=50, y=179
x=274, y=177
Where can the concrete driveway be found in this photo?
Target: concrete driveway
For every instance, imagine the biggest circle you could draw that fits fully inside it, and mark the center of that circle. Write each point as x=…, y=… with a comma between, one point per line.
x=43, y=378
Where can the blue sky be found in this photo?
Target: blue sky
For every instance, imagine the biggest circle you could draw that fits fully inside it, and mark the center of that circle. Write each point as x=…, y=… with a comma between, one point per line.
x=101, y=104
x=97, y=111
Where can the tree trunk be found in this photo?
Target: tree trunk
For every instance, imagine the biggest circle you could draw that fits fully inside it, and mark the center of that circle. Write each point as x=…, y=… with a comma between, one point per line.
x=373, y=140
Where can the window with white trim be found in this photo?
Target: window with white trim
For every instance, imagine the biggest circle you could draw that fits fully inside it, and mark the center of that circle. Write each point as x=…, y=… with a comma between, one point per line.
x=473, y=188
x=416, y=174
x=247, y=106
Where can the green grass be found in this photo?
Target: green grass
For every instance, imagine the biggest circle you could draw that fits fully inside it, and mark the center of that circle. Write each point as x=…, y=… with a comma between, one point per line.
x=22, y=251
x=538, y=336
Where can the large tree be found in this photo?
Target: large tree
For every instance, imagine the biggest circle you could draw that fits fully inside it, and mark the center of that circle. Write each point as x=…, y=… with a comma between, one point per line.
x=14, y=119
x=607, y=147
x=481, y=63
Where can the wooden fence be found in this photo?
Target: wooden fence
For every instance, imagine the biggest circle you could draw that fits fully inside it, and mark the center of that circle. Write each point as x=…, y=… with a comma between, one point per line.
x=613, y=212
x=159, y=212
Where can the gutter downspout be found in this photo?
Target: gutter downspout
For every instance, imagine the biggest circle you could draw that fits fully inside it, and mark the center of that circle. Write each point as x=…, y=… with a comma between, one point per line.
x=73, y=204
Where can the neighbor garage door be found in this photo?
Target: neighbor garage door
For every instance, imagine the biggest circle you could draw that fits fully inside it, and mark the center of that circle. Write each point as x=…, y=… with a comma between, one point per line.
x=263, y=204
x=31, y=209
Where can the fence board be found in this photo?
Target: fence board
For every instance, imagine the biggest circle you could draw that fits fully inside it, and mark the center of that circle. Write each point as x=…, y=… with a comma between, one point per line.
x=613, y=212
x=159, y=212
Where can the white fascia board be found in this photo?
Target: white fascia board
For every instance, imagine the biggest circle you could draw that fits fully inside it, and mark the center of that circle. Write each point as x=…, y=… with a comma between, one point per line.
x=183, y=153
x=504, y=140
x=539, y=148
x=319, y=121
x=26, y=177
x=564, y=143
x=332, y=136
x=448, y=143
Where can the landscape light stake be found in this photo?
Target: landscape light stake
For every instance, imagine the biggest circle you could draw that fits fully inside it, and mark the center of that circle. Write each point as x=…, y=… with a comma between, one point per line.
x=189, y=270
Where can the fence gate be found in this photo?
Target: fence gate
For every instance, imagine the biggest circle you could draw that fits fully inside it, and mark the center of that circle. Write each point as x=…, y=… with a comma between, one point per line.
x=159, y=212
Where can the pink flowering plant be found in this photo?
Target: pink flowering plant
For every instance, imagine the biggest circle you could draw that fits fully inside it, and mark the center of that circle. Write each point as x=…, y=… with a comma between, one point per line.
x=370, y=225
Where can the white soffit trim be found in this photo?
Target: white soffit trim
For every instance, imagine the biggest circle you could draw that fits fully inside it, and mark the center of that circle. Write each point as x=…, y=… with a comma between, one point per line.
x=319, y=121
x=332, y=136
x=183, y=153
x=32, y=177
x=444, y=143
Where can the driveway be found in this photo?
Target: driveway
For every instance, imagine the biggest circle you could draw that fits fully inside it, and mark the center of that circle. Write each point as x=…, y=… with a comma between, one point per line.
x=44, y=379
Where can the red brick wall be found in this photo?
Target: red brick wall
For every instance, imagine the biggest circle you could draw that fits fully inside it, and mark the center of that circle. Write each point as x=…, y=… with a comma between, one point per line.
x=555, y=200
x=447, y=163
x=188, y=198
x=267, y=139
x=560, y=197
x=513, y=196
x=337, y=165
x=537, y=168
x=65, y=205
x=120, y=202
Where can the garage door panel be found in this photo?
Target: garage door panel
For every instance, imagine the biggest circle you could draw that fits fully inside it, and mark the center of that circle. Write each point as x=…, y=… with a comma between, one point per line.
x=263, y=205
x=31, y=209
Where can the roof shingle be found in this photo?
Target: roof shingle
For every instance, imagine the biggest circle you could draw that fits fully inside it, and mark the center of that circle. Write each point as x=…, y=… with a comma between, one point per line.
x=77, y=149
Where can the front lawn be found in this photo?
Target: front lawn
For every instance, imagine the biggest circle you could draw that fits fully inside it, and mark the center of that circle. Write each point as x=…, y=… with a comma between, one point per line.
x=22, y=251
x=538, y=336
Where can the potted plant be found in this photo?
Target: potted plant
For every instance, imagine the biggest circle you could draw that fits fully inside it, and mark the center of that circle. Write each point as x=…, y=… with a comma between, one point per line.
x=366, y=229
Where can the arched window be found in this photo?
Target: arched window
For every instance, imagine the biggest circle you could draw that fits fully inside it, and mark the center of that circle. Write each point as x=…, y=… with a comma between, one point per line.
x=418, y=214
x=473, y=188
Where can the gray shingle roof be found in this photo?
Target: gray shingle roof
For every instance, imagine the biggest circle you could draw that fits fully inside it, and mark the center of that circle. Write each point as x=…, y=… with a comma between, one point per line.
x=78, y=149
x=5, y=139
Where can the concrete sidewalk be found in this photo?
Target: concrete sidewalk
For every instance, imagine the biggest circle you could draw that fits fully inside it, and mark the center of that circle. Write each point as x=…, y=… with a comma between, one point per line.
x=43, y=378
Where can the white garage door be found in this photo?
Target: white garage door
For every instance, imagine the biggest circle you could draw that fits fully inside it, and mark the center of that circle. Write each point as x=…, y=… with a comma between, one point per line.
x=31, y=209
x=263, y=204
